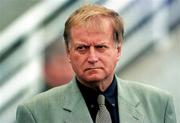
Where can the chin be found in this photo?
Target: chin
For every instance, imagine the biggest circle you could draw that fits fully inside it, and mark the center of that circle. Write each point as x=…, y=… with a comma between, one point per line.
x=94, y=78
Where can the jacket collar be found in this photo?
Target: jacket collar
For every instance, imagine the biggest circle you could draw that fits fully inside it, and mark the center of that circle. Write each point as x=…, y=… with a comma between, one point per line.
x=74, y=105
x=77, y=111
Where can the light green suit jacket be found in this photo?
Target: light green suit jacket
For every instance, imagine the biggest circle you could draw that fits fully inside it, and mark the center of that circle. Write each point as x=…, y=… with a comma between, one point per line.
x=137, y=103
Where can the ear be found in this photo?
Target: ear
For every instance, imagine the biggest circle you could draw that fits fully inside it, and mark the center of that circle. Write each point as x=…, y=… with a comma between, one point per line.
x=119, y=48
x=68, y=54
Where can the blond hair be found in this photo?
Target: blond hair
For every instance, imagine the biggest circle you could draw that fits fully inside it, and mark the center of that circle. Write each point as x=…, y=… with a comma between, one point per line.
x=87, y=13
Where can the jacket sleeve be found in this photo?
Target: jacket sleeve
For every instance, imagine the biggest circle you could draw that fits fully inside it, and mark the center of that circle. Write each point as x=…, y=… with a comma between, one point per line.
x=24, y=115
x=170, y=116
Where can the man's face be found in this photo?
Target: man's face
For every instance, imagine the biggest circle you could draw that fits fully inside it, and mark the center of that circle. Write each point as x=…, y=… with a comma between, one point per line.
x=93, y=53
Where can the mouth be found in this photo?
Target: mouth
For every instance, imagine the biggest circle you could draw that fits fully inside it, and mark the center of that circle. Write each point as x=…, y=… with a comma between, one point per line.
x=96, y=68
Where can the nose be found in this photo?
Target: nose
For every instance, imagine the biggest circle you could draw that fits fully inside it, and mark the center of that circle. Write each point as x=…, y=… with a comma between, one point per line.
x=92, y=57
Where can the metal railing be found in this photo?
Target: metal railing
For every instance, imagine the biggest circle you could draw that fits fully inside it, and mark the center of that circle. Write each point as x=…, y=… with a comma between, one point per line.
x=24, y=42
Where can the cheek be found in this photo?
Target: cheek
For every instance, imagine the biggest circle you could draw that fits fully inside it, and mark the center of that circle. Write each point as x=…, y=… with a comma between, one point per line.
x=76, y=61
x=111, y=60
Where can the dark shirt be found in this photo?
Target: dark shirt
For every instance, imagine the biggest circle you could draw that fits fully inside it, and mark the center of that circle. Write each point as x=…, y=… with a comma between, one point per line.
x=111, y=102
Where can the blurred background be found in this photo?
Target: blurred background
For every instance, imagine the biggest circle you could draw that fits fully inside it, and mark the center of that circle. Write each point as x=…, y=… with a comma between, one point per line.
x=33, y=58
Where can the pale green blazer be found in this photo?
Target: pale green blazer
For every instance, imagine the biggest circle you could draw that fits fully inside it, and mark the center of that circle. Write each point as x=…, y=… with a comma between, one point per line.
x=137, y=103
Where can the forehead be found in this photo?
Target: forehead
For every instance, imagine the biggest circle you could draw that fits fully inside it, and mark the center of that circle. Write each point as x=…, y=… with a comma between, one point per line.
x=99, y=26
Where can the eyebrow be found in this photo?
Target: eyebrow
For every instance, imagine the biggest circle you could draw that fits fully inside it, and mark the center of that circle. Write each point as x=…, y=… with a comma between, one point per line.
x=98, y=43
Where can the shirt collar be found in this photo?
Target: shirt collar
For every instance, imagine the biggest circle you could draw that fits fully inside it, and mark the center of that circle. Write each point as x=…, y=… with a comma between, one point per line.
x=111, y=92
x=91, y=95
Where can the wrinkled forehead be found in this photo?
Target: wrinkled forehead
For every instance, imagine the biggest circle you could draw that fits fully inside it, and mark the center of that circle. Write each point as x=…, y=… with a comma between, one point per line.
x=96, y=24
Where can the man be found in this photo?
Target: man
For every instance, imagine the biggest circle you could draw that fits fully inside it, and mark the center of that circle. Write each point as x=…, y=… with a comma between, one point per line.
x=93, y=35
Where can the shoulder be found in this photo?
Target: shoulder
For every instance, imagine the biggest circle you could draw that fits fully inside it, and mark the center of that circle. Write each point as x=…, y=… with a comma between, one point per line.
x=143, y=91
x=152, y=102
x=47, y=98
x=45, y=105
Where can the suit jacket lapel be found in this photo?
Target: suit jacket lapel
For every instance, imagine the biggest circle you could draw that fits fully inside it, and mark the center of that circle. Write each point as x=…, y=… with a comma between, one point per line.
x=75, y=108
x=128, y=105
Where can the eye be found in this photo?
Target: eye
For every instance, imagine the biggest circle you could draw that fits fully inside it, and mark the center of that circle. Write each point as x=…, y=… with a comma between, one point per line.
x=101, y=46
x=82, y=48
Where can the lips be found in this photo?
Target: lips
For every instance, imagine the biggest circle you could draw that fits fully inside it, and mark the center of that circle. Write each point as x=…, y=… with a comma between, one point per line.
x=94, y=68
